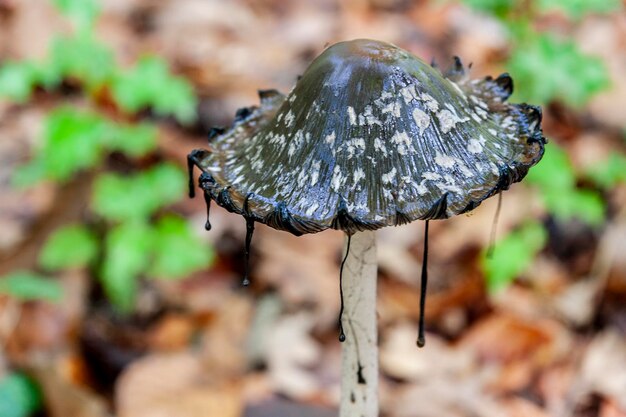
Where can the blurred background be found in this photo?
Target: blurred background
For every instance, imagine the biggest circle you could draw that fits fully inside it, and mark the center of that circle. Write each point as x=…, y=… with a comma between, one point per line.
x=114, y=300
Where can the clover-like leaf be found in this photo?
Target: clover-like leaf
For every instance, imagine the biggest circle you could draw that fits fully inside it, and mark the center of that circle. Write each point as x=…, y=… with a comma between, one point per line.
x=178, y=251
x=27, y=286
x=552, y=69
x=72, y=246
x=127, y=254
x=151, y=85
x=512, y=255
x=136, y=197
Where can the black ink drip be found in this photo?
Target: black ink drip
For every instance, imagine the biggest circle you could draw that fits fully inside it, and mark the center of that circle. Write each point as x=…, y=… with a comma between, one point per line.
x=494, y=227
x=207, y=200
x=190, y=165
x=249, y=231
x=421, y=340
x=359, y=374
x=342, y=335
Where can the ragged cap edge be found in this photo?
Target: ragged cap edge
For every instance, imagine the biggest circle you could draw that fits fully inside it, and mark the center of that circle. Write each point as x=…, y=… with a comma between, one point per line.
x=279, y=217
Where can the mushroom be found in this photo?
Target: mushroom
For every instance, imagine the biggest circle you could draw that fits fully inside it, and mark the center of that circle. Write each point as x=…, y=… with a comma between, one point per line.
x=370, y=136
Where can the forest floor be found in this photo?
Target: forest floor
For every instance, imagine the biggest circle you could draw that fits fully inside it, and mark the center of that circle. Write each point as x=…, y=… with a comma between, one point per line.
x=553, y=343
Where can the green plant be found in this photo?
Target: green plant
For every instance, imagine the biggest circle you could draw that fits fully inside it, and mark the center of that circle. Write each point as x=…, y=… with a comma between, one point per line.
x=548, y=68
x=19, y=396
x=139, y=239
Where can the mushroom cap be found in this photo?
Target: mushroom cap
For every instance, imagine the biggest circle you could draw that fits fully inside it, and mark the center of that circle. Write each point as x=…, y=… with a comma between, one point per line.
x=371, y=136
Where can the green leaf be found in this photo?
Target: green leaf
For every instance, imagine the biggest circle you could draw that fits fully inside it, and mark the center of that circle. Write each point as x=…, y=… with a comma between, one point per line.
x=137, y=197
x=578, y=8
x=70, y=247
x=499, y=8
x=178, y=251
x=566, y=204
x=556, y=179
x=150, y=84
x=19, y=396
x=554, y=171
x=127, y=254
x=80, y=58
x=513, y=255
x=28, y=286
x=82, y=12
x=609, y=173
x=72, y=141
x=134, y=141
x=17, y=80
x=547, y=69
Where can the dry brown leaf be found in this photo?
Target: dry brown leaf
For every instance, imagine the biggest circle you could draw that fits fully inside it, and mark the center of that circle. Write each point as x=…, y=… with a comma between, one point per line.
x=224, y=340
x=506, y=338
x=611, y=409
x=305, y=270
x=603, y=369
x=292, y=355
x=519, y=407
x=62, y=398
x=173, y=332
x=174, y=385
x=400, y=357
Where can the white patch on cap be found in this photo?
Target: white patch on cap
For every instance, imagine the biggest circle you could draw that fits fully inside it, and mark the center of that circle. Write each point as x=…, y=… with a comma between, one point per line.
x=389, y=177
x=352, y=115
x=408, y=93
x=432, y=176
x=379, y=145
x=460, y=91
x=368, y=118
x=430, y=102
x=474, y=146
x=315, y=174
x=465, y=171
x=448, y=120
x=358, y=175
x=338, y=179
x=393, y=108
x=494, y=168
x=445, y=161
x=311, y=209
x=421, y=188
x=422, y=120
x=403, y=143
x=289, y=118
x=330, y=139
x=296, y=142
x=355, y=146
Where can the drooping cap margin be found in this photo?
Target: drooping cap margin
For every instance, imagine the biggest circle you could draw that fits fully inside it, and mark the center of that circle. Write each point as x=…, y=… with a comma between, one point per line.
x=369, y=137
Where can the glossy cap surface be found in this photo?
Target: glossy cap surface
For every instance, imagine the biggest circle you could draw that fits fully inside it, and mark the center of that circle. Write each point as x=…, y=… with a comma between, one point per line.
x=371, y=136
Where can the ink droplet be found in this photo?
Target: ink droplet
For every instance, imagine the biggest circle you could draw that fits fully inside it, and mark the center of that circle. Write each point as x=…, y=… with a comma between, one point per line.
x=421, y=340
x=249, y=231
x=342, y=335
x=207, y=200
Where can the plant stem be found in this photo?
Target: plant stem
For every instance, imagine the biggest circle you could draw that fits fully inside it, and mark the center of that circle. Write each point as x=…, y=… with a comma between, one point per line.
x=359, y=373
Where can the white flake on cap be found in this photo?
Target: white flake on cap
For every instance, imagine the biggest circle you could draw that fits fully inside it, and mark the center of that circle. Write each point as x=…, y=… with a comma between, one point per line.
x=352, y=115
x=422, y=120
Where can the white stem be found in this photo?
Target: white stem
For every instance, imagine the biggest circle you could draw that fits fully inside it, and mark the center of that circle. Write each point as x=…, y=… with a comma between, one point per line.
x=359, y=373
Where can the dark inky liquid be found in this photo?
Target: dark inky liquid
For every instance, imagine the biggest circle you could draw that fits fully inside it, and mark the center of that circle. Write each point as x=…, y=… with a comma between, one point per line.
x=342, y=335
x=190, y=164
x=249, y=231
x=207, y=200
x=421, y=339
